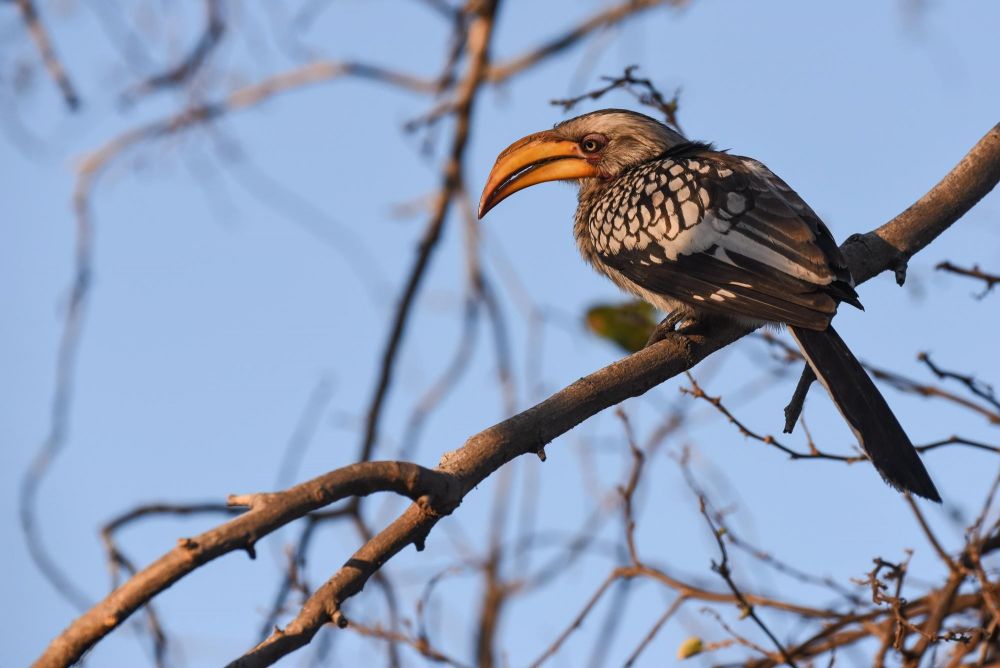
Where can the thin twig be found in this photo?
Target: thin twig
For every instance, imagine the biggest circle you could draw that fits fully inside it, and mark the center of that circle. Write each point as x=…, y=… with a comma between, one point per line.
x=974, y=385
x=975, y=272
x=698, y=393
x=722, y=568
x=652, y=97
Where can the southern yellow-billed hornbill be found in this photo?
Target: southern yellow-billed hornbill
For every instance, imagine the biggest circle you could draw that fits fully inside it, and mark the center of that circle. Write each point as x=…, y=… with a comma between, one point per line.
x=701, y=234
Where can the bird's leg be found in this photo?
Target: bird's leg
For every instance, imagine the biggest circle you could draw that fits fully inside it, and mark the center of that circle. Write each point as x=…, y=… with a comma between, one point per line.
x=794, y=408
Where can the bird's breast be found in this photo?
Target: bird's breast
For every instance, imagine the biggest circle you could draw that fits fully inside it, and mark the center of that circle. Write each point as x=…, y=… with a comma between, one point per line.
x=672, y=204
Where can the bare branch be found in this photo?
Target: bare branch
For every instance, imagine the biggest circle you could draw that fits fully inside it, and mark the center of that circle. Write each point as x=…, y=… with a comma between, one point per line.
x=974, y=385
x=904, y=384
x=651, y=98
x=54, y=66
x=663, y=619
x=88, y=172
x=603, y=19
x=184, y=70
x=893, y=244
x=958, y=440
x=527, y=432
x=267, y=512
x=723, y=569
x=698, y=393
x=989, y=279
x=480, y=36
x=421, y=645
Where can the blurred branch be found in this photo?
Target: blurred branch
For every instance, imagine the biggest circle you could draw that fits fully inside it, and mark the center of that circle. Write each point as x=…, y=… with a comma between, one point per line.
x=293, y=576
x=480, y=36
x=420, y=645
x=989, y=279
x=606, y=18
x=88, y=172
x=180, y=73
x=910, y=386
x=54, y=66
x=638, y=568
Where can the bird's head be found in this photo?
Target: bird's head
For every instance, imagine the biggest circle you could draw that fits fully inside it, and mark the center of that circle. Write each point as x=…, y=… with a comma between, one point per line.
x=589, y=149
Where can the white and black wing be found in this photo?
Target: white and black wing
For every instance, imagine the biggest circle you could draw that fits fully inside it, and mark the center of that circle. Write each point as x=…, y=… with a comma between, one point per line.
x=723, y=234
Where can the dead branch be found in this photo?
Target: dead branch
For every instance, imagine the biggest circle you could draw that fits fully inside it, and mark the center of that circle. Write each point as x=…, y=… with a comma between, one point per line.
x=975, y=272
x=435, y=491
x=118, y=561
x=528, y=431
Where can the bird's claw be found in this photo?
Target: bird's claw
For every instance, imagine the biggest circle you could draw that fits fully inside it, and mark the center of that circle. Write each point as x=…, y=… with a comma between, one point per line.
x=668, y=326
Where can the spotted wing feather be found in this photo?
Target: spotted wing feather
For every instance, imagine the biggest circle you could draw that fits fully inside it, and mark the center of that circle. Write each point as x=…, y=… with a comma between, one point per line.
x=723, y=234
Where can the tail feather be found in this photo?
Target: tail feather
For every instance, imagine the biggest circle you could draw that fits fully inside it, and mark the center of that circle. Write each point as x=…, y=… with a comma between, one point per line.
x=866, y=411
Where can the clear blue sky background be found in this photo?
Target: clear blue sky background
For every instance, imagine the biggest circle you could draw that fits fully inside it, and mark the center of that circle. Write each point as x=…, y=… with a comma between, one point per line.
x=214, y=314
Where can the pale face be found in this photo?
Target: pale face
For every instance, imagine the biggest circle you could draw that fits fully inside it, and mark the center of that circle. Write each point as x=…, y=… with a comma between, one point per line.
x=589, y=149
x=627, y=138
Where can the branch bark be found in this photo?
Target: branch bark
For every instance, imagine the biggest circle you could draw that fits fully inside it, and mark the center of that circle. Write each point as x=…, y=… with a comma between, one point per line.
x=887, y=247
x=266, y=513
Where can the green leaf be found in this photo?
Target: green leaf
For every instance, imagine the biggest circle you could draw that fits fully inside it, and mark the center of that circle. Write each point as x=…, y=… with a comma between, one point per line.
x=628, y=324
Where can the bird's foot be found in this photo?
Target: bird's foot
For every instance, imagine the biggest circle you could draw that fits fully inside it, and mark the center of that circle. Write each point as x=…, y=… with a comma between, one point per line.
x=669, y=325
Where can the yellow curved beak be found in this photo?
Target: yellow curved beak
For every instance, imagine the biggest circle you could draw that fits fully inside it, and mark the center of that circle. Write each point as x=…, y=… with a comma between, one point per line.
x=535, y=159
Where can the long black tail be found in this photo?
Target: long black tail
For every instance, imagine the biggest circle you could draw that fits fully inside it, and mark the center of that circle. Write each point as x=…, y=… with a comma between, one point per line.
x=865, y=409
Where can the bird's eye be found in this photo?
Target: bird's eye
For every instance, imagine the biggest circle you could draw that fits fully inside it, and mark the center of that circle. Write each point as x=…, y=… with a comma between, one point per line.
x=593, y=143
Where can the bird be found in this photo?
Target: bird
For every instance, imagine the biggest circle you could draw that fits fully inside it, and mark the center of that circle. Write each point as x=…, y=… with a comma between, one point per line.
x=705, y=235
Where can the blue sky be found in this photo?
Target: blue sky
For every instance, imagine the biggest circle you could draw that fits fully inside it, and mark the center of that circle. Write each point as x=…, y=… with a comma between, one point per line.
x=215, y=312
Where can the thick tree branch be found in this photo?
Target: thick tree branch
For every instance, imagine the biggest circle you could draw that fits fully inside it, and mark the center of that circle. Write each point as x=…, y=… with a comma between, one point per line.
x=91, y=168
x=266, y=513
x=887, y=247
x=893, y=244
